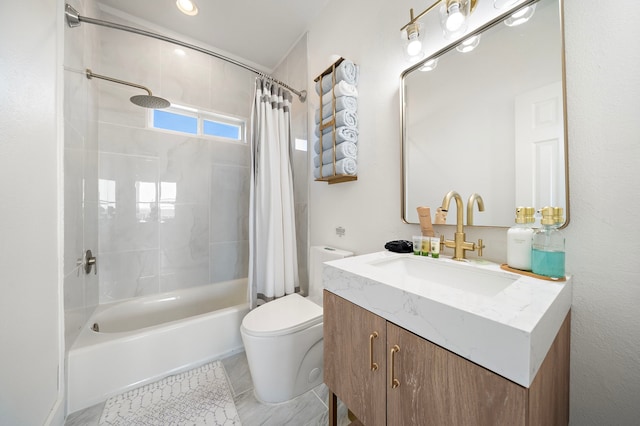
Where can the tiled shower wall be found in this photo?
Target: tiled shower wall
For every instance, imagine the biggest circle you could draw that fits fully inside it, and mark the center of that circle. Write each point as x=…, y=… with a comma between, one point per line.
x=173, y=209
x=80, y=173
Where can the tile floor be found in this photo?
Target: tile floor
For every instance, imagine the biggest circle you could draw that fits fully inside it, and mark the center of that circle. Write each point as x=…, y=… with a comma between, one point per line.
x=309, y=409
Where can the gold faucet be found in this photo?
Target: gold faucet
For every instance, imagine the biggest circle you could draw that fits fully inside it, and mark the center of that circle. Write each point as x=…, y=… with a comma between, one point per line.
x=473, y=198
x=458, y=244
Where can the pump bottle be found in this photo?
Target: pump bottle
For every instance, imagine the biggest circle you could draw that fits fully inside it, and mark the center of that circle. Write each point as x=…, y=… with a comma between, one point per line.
x=519, y=239
x=547, y=254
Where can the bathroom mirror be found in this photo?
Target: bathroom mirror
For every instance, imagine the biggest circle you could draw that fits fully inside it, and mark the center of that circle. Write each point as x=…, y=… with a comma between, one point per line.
x=490, y=121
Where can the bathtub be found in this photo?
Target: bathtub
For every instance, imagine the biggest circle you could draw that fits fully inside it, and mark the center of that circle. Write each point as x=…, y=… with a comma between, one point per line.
x=144, y=339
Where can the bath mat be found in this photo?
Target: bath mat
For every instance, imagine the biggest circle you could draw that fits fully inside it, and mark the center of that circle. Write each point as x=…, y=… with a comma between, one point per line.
x=197, y=397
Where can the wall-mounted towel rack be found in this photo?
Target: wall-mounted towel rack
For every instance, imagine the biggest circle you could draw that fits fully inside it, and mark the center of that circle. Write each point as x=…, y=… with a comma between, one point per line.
x=334, y=176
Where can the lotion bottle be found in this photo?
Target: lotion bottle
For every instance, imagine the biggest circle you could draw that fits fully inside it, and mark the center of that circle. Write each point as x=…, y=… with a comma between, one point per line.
x=519, y=239
x=547, y=254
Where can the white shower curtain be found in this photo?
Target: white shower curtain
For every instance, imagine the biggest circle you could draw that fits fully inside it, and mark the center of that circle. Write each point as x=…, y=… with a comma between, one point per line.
x=273, y=264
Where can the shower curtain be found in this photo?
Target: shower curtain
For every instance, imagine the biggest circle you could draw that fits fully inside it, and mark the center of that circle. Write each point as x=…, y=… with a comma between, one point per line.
x=273, y=264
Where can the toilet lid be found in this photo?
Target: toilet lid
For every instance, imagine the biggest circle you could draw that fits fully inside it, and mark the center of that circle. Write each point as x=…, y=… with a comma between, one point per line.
x=282, y=316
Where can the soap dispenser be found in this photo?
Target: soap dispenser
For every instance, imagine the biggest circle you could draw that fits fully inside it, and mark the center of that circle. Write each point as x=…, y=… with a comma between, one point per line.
x=519, y=239
x=547, y=254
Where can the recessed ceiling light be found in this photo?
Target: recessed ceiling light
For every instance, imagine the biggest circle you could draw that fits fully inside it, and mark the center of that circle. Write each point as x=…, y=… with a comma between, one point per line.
x=187, y=7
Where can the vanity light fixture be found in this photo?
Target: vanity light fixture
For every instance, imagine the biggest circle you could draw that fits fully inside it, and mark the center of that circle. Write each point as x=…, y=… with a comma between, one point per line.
x=521, y=16
x=469, y=44
x=412, y=37
x=453, y=17
x=188, y=7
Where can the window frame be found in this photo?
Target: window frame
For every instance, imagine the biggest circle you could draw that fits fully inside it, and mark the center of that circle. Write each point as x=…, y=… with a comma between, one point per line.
x=201, y=116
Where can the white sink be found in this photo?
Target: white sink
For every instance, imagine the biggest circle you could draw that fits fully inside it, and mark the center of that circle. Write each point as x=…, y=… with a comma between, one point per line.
x=447, y=273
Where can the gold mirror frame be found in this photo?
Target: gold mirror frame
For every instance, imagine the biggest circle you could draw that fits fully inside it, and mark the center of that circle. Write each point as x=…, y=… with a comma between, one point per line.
x=498, y=20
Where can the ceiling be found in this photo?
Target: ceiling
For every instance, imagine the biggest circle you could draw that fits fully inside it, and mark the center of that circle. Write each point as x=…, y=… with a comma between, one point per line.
x=260, y=32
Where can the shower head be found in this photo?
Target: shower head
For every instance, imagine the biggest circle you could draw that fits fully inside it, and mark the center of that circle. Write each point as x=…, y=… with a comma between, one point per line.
x=150, y=101
x=145, y=101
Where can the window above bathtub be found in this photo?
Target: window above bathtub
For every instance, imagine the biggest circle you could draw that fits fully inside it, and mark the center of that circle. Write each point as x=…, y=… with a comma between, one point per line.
x=197, y=122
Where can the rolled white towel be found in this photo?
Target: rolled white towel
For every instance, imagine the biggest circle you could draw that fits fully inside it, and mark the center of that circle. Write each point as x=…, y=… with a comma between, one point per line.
x=343, y=134
x=343, y=118
x=344, y=150
x=340, y=89
x=346, y=71
x=342, y=103
x=346, y=166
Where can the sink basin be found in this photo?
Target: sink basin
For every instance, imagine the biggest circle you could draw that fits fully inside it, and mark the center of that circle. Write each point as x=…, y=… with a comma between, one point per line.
x=448, y=273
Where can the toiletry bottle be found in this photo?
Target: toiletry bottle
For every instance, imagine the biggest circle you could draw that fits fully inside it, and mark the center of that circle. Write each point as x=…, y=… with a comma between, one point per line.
x=519, y=239
x=547, y=254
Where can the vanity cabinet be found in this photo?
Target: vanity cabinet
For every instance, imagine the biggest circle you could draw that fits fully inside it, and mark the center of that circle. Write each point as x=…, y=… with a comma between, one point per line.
x=387, y=375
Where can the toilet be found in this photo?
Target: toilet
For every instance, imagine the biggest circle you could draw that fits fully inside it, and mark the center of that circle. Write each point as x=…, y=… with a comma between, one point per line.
x=283, y=338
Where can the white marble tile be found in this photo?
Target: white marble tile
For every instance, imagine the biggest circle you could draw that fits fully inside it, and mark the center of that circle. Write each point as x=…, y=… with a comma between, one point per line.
x=232, y=89
x=128, y=203
x=185, y=172
x=73, y=211
x=75, y=108
x=128, y=274
x=115, y=106
x=299, y=411
x=230, y=153
x=185, y=76
x=119, y=139
x=129, y=57
x=229, y=203
x=228, y=261
x=87, y=417
x=237, y=369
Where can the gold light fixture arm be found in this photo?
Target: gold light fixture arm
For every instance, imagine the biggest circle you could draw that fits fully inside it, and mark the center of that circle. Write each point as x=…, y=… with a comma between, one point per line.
x=424, y=12
x=427, y=10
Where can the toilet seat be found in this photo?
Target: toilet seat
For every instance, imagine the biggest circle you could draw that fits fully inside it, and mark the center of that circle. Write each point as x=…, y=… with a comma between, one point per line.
x=282, y=316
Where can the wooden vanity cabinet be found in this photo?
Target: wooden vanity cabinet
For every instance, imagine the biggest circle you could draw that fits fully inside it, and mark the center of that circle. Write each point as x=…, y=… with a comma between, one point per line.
x=435, y=386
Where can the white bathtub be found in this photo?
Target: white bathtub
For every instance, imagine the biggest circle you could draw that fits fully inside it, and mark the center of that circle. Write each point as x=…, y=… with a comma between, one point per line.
x=144, y=339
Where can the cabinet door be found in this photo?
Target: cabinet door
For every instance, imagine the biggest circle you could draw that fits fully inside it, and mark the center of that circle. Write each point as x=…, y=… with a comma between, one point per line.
x=437, y=387
x=348, y=339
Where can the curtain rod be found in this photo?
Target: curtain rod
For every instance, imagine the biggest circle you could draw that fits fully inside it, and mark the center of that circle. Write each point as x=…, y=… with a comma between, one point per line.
x=74, y=19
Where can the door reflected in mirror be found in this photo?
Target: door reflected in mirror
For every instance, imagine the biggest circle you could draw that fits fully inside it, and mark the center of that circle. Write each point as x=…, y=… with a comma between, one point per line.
x=490, y=120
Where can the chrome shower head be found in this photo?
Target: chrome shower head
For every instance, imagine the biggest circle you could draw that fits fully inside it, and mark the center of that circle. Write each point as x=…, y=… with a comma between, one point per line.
x=145, y=101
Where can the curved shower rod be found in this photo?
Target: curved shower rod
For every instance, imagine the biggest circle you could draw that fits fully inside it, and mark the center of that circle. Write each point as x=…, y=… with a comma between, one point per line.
x=74, y=19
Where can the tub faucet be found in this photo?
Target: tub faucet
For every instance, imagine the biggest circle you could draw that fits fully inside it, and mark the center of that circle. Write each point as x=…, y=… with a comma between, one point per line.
x=473, y=198
x=458, y=244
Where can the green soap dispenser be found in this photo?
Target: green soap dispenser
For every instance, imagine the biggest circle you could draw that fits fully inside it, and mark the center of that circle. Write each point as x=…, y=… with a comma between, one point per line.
x=547, y=254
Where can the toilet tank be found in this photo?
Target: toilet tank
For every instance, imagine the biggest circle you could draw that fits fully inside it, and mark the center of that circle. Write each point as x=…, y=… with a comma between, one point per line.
x=317, y=256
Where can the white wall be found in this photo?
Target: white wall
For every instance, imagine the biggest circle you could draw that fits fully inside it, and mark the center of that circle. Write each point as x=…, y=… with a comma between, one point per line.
x=30, y=216
x=603, y=89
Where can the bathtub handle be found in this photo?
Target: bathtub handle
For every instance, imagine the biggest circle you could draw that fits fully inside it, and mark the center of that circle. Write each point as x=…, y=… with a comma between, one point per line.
x=89, y=262
x=374, y=365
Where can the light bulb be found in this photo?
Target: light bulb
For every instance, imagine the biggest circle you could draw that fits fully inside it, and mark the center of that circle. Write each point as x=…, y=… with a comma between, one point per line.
x=521, y=16
x=469, y=44
x=430, y=65
x=455, y=18
x=187, y=7
x=414, y=47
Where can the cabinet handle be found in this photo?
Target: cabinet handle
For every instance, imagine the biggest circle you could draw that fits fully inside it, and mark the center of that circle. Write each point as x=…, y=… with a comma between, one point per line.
x=394, y=382
x=374, y=365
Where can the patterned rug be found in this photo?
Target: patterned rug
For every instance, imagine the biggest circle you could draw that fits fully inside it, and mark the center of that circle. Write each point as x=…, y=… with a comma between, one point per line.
x=196, y=397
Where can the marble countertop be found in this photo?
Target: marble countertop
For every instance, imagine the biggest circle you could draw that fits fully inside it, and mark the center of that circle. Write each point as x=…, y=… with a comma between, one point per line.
x=508, y=331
